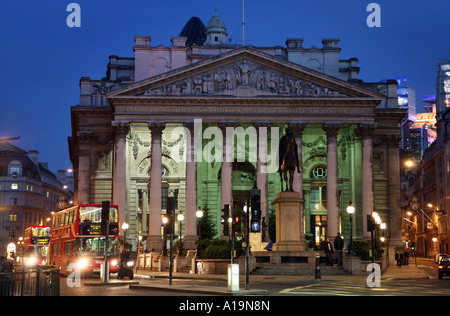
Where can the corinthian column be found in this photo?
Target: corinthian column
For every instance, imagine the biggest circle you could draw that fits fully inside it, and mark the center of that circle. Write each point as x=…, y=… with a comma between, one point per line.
x=227, y=169
x=191, y=190
x=119, y=183
x=261, y=165
x=366, y=130
x=332, y=179
x=154, y=219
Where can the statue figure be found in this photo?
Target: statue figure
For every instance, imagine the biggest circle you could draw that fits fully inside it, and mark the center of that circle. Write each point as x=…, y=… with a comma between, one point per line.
x=288, y=159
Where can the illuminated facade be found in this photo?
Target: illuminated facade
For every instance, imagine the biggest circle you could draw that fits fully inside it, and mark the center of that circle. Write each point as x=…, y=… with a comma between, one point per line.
x=133, y=134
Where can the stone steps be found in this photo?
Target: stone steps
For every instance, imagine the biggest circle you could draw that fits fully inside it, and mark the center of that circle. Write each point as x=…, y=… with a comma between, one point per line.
x=297, y=269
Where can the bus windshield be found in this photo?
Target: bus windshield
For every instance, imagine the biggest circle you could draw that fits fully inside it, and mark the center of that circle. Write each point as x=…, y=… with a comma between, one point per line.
x=91, y=218
x=40, y=231
x=93, y=214
x=37, y=251
x=95, y=246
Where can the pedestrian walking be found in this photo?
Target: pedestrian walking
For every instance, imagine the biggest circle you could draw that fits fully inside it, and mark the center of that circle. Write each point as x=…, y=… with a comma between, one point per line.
x=406, y=256
x=398, y=258
x=339, y=247
x=329, y=252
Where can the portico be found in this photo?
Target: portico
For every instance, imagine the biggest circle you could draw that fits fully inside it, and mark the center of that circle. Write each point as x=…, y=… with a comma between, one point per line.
x=333, y=123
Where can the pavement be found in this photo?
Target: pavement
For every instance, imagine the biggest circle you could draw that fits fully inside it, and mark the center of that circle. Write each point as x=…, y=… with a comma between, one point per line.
x=193, y=283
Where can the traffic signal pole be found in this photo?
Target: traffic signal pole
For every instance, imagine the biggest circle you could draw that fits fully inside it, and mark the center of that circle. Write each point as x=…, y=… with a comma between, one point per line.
x=105, y=231
x=247, y=250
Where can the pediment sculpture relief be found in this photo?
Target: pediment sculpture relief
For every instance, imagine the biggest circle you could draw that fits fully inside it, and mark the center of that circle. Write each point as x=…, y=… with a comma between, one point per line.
x=244, y=78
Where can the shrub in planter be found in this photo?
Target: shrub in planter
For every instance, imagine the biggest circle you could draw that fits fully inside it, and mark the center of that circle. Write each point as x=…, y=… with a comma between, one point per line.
x=219, y=249
x=362, y=250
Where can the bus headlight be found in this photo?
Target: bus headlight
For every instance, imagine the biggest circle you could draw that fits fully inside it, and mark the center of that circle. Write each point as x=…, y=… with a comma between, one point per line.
x=114, y=262
x=130, y=263
x=30, y=261
x=83, y=263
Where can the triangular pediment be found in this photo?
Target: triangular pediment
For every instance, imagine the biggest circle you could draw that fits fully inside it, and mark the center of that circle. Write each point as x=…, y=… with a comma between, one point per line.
x=244, y=72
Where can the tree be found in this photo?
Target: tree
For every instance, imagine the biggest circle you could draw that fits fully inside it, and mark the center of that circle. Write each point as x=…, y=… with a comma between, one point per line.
x=208, y=229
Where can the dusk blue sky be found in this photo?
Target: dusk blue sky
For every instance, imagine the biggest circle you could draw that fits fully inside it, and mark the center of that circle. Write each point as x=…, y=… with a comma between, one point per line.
x=42, y=59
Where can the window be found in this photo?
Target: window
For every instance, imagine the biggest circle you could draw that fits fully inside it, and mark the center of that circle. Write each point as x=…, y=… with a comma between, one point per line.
x=67, y=247
x=14, y=168
x=12, y=217
x=14, y=186
x=164, y=195
x=13, y=201
x=12, y=232
x=318, y=199
x=54, y=249
x=319, y=172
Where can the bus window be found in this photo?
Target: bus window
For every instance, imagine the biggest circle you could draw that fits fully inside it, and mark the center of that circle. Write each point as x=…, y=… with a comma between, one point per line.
x=95, y=246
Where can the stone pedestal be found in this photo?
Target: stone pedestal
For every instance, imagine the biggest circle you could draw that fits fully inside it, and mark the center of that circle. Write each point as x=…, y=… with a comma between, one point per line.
x=288, y=222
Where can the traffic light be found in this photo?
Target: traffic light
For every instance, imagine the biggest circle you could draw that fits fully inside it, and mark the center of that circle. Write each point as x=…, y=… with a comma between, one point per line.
x=255, y=203
x=237, y=224
x=370, y=223
x=169, y=213
x=225, y=219
x=105, y=218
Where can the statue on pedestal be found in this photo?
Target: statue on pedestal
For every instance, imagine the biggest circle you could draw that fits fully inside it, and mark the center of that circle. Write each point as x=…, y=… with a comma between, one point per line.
x=288, y=159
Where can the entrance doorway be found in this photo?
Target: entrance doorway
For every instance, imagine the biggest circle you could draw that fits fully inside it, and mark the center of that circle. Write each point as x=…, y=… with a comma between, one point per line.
x=319, y=228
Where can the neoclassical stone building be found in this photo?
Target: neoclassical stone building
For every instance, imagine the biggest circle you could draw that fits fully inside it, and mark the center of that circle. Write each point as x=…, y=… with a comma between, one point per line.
x=156, y=125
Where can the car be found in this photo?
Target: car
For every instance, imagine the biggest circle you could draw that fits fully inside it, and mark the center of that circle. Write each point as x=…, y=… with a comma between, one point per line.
x=444, y=267
x=439, y=256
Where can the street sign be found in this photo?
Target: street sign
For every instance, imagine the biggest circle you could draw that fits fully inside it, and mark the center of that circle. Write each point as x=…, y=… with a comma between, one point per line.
x=256, y=226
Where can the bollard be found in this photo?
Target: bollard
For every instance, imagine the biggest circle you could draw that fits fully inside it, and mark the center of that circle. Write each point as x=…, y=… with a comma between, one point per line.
x=317, y=269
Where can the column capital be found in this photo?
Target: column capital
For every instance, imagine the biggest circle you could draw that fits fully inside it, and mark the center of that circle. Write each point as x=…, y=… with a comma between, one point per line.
x=393, y=140
x=189, y=126
x=262, y=124
x=85, y=138
x=331, y=129
x=224, y=124
x=297, y=127
x=156, y=128
x=120, y=128
x=366, y=129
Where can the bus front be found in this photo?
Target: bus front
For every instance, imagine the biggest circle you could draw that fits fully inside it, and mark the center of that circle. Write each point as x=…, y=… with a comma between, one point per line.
x=36, y=245
x=91, y=245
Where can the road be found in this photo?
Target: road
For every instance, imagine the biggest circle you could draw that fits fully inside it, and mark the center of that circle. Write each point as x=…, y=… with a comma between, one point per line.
x=350, y=286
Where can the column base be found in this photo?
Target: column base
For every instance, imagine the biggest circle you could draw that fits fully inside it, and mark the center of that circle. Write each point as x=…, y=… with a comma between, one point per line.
x=154, y=243
x=190, y=242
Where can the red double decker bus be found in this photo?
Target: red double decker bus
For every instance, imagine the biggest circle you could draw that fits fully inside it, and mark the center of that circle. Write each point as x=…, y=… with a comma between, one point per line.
x=76, y=238
x=35, y=245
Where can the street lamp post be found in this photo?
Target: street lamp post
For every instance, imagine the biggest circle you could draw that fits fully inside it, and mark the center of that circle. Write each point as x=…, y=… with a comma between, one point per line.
x=351, y=211
x=180, y=218
x=199, y=215
x=165, y=220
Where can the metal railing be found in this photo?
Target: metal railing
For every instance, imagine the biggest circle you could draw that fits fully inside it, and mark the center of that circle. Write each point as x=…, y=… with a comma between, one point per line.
x=35, y=281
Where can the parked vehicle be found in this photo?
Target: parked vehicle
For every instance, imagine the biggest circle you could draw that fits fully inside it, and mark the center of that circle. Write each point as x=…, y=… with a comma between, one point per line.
x=444, y=267
x=439, y=256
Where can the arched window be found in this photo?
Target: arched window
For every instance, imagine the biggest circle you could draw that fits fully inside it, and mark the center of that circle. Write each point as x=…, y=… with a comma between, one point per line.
x=319, y=172
x=14, y=168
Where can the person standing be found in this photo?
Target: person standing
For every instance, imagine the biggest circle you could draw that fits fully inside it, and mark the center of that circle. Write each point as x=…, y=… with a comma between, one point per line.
x=339, y=247
x=406, y=257
x=329, y=252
